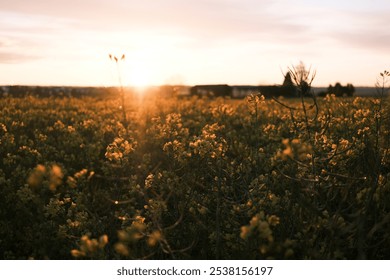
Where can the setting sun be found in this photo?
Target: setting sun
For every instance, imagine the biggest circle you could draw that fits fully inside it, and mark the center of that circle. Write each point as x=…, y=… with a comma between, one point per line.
x=139, y=76
x=132, y=71
x=139, y=68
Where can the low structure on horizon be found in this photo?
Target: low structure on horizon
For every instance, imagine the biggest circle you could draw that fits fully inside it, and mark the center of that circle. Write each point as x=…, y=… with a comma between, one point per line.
x=241, y=91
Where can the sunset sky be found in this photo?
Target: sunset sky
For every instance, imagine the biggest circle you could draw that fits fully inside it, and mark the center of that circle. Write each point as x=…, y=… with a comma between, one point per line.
x=67, y=42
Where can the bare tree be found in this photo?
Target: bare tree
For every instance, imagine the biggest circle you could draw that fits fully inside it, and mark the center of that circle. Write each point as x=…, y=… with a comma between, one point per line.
x=302, y=78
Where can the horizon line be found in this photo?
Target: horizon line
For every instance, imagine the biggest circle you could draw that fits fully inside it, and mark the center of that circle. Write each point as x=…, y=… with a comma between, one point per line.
x=161, y=85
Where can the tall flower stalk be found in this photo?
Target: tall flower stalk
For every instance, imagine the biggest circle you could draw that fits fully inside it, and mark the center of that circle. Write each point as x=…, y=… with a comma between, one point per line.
x=121, y=90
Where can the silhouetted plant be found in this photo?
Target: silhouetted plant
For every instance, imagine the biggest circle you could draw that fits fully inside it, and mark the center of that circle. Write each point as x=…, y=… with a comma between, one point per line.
x=302, y=78
x=122, y=92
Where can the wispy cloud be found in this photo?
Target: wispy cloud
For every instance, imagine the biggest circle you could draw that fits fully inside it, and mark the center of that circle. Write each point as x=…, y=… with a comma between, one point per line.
x=11, y=58
x=201, y=21
x=364, y=30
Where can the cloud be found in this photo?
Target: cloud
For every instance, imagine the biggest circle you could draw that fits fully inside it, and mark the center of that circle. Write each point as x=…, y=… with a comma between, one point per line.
x=367, y=31
x=18, y=49
x=13, y=57
x=202, y=20
x=279, y=21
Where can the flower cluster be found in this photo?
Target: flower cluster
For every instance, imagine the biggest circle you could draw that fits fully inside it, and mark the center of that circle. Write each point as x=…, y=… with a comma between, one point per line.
x=209, y=144
x=119, y=150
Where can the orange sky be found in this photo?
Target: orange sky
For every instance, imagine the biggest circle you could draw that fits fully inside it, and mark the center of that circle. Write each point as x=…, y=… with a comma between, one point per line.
x=67, y=42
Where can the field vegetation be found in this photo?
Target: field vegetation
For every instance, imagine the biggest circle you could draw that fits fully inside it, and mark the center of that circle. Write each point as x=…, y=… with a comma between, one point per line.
x=195, y=178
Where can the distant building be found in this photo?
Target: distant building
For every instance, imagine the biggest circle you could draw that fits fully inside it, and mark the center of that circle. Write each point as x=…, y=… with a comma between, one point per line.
x=182, y=90
x=211, y=90
x=243, y=91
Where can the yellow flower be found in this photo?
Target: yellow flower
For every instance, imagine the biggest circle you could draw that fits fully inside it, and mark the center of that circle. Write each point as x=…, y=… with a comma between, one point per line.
x=154, y=237
x=121, y=249
x=56, y=176
x=244, y=232
x=273, y=220
x=77, y=254
x=103, y=241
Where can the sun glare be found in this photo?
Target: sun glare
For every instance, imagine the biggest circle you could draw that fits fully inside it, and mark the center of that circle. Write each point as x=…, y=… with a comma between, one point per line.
x=139, y=69
x=139, y=78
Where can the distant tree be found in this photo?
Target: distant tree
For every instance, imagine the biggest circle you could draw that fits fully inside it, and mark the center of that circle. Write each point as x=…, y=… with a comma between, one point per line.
x=351, y=89
x=288, y=89
x=340, y=90
x=287, y=80
x=330, y=89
